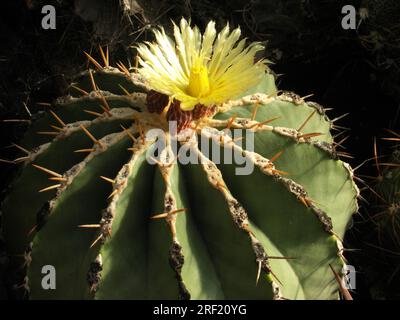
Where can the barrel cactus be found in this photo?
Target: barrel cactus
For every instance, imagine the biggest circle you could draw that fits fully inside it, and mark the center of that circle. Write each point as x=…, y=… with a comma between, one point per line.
x=124, y=219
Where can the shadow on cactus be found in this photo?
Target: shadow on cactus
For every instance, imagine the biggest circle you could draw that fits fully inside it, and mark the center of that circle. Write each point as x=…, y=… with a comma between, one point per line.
x=117, y=223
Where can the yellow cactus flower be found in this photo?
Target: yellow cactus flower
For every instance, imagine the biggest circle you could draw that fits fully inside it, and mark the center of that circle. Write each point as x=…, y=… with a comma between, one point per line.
x=206, y=69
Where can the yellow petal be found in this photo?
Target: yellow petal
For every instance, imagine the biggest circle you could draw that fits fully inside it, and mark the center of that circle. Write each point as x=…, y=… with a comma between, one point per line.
x=207, y=69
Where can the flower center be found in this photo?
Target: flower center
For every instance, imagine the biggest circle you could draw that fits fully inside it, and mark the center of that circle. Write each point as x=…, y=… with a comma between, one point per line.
x=198, y=81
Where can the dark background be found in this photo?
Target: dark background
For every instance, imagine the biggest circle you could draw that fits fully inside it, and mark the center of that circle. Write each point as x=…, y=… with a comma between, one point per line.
x=351, y=71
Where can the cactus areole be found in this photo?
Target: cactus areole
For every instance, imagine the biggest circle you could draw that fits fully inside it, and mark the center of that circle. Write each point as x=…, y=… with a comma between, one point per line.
x=118, y=217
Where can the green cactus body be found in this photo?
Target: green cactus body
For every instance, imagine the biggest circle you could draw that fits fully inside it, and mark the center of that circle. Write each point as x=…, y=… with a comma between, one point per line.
x=170, y=230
